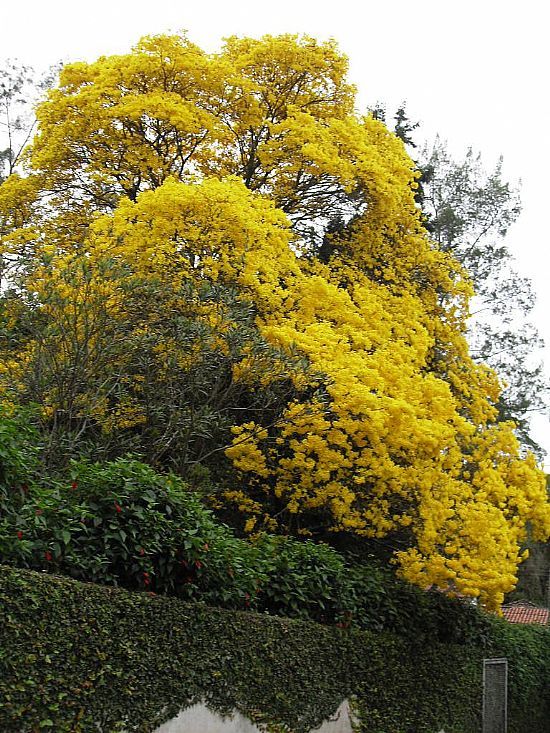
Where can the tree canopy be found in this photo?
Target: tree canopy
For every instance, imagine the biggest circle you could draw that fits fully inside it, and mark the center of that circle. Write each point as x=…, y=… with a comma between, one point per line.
x=214, y=261
x=469, y=212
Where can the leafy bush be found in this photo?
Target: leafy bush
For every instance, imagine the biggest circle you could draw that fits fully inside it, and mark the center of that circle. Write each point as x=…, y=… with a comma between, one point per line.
x=414, y=613
x=304, y=580
x=121, y=523
x=19, y=450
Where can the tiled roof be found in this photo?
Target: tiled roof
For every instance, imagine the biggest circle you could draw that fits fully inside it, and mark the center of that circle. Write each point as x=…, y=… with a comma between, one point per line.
x=523, y=612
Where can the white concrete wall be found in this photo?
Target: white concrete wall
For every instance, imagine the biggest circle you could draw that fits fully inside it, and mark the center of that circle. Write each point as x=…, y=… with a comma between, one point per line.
x=198, y=719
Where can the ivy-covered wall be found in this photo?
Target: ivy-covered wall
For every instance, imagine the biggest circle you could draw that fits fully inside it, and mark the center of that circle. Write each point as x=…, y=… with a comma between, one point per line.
x=76, y=656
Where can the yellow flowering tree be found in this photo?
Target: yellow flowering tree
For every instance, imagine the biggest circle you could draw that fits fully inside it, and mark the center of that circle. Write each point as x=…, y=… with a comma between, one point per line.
x=214, y=260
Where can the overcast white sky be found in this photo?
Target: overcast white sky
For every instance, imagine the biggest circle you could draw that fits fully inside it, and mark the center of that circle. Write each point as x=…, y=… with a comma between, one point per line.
x=476, y=72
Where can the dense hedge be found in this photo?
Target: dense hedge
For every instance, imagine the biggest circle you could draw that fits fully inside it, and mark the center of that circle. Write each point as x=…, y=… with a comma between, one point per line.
x=528, y=651
x=80, y=657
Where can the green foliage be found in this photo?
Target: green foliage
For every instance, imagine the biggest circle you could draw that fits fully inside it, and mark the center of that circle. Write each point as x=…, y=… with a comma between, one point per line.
x=534, y=576
x=468, y=213
x=306, y=580
x=425, y=615
x=121, y=523
x=176, y=398
x=413, y=688
x=78, y=657
x=19, y=452
x=528, y=651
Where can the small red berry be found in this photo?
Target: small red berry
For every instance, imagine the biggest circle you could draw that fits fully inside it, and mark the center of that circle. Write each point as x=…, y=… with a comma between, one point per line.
x=74, y=485
x=38, y=512
x=48, y=556
x=118, y=508
x=198, y=564
x=20, y=535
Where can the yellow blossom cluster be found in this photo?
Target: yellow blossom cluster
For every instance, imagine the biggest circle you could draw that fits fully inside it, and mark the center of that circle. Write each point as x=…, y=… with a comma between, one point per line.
x=249, y=170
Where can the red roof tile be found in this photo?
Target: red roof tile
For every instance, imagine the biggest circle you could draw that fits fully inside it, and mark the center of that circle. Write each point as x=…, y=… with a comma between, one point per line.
x=523, y=612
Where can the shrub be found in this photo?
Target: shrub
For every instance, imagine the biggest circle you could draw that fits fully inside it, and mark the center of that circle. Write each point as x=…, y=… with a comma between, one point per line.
x=121, y=523
x=19, y=451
